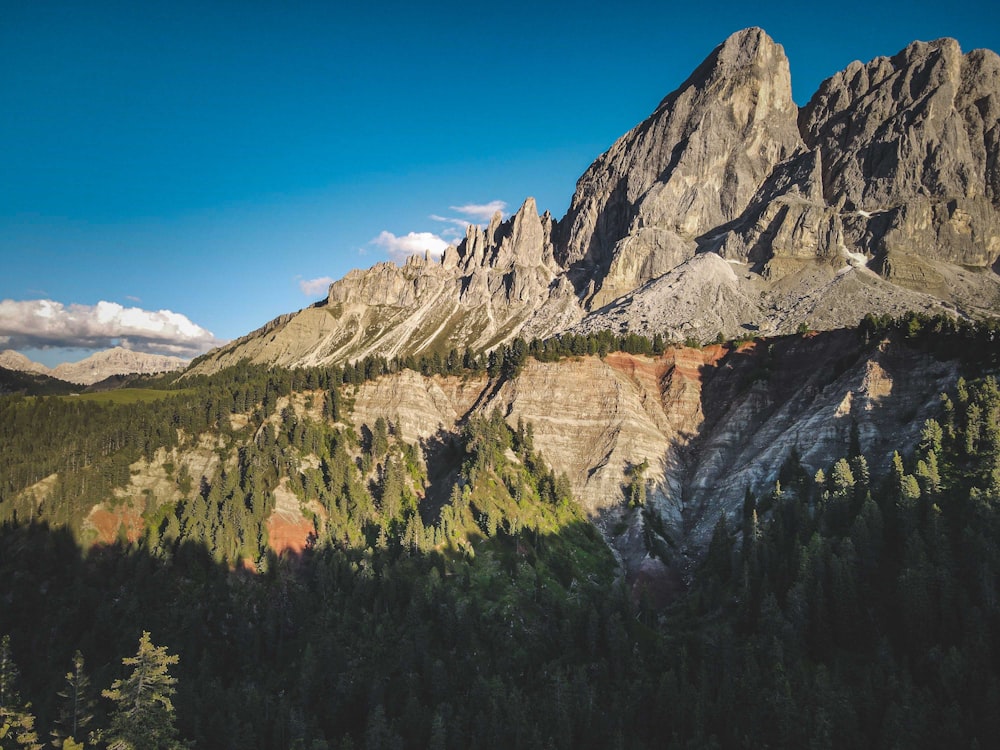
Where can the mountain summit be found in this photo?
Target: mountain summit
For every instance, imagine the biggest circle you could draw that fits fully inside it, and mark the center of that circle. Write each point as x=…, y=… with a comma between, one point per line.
x=728, y=209
x=692, y=165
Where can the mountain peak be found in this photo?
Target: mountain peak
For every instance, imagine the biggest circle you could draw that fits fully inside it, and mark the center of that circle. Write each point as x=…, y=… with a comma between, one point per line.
x=13, y=360
x=727, y=209
x=742, y=47
x=692, y=165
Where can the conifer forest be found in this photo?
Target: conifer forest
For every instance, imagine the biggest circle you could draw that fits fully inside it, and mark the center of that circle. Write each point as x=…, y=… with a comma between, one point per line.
x=459, y=597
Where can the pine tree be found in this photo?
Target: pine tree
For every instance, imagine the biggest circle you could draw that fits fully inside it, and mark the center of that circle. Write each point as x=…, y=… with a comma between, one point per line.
x=77, y=707
x=144, y=713
x=17, y=723
x=8, y=675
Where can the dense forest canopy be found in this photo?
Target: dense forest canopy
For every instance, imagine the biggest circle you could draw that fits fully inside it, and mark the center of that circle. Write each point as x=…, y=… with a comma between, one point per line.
x=840, y=609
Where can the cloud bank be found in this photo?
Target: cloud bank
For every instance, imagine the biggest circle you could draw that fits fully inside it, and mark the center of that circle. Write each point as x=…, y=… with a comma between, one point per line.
x=481, y=211
x=413, y=243
x=46, y=324
x=314, y=287
x=417, y=243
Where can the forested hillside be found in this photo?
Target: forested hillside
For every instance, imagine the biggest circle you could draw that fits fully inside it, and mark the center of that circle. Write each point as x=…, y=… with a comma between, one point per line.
x=841, y=609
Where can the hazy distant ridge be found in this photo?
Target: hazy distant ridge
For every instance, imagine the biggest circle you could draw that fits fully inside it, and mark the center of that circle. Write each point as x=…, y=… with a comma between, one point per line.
x=96, y=367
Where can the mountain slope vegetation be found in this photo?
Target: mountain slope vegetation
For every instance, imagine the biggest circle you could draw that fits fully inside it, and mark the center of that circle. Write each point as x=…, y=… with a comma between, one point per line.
x=839, y=608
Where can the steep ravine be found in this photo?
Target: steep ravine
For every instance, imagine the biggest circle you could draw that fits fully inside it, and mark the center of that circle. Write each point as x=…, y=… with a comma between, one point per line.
x=710, y=423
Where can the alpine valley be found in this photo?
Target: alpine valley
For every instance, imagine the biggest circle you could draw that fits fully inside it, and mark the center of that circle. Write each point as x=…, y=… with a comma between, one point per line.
x=713, y=460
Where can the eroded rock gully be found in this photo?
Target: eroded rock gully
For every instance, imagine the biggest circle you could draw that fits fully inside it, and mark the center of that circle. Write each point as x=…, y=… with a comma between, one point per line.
x=710, y=422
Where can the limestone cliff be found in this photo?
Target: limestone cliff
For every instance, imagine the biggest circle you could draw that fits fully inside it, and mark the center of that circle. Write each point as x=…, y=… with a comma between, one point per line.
x=909, y=147
x=16, y=361
x=98, y=366
x=496, y=284
x=691, y=166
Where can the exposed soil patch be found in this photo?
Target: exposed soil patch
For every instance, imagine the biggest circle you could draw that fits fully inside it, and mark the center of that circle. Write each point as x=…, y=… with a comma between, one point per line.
x=107, y=522
x=287, y=528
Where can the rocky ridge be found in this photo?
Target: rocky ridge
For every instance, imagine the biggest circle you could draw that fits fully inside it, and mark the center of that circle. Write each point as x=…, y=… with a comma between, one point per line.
x=96, y=367
x=12, y=360
x=881, y=195
x=484, y=291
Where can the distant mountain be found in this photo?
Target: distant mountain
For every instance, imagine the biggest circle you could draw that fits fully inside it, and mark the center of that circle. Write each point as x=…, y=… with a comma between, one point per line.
x=728, y=209
x=96, y=367
x=11, y=360
x=117, y=361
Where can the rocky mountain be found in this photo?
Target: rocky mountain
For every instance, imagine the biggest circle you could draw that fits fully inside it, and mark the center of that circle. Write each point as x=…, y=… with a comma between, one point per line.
x=96, y=367
x=729, y=209
x=11, y=360
x=116, y=361
x=692, y=165
x=497, y=284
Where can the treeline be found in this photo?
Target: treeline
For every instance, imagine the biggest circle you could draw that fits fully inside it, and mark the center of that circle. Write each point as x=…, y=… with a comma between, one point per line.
x=962, y=339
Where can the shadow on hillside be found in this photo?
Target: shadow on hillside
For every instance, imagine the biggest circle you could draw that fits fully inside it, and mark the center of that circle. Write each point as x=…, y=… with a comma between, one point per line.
x=443, y=456
x=759, y=397
x=314, y=643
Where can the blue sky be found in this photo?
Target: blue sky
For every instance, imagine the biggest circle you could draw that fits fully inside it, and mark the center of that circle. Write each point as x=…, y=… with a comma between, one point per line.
x=206, y=159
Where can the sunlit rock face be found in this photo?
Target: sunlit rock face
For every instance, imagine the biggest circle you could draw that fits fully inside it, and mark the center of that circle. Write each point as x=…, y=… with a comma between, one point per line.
x=909, y=145
x=727, y=210
x=691, y=166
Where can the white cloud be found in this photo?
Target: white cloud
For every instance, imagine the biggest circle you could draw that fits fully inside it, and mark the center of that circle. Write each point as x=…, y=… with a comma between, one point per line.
x=451, y=220
x=45, y=324
x=413, y=243
x=481, y=211
x=312, y=287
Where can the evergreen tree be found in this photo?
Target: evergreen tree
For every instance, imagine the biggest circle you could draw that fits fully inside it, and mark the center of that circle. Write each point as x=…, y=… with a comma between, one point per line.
x=143, y=718
x=77, y=707
x=8, y=675
x=17, y=723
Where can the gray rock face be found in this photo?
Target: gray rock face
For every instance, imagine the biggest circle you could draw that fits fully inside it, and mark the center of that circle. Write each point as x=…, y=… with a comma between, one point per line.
x=98, y=366
x=787, y=218
x=116, y=361
x=909, y=146
x=727, y=210
x=693, y=165
x=16, y=361
x=497, y=283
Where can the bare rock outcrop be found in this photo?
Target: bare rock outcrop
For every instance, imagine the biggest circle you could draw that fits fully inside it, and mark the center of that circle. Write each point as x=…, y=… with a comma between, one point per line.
x=496, y=284
x=692, y=165
x=788, y=218
x=909, y=148
x=98, y=366
x=12, y=360
x=709, y=423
